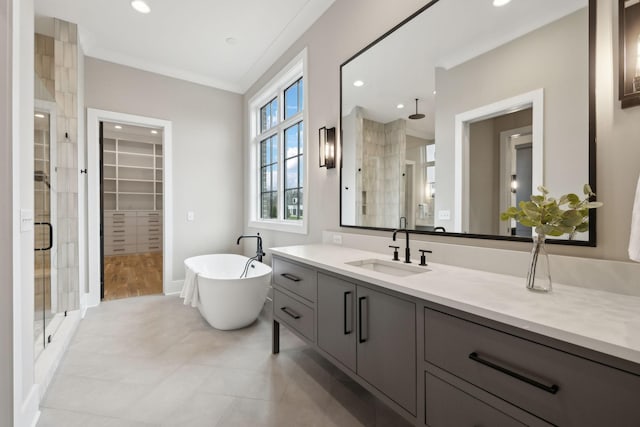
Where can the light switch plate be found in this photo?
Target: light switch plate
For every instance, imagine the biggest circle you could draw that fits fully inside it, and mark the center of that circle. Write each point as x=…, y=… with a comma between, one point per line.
x=26, y=220
x=444, y=215
x=337, y=239
x=190, y=216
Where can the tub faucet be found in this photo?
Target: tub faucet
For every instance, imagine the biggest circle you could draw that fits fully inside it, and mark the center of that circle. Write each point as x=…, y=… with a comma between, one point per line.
x=259, y=252
x=407, y=251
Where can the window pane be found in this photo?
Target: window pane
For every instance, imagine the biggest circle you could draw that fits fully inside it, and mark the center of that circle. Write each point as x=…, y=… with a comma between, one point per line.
x=301, y=136
x=274, y=205
x=265, y=205
x=300, y=171
x=274, y=148
x=291, y=173
x=265, y=153
x=300, y=205
x=292, y=205
x=431, y=153
x=274, y=112
x=300, y=95
x=291, y=101
x=273, y=173
x=263, y=119
x=291, y=141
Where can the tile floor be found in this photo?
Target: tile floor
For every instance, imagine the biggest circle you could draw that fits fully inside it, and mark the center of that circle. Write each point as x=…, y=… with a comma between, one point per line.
x=151, y=361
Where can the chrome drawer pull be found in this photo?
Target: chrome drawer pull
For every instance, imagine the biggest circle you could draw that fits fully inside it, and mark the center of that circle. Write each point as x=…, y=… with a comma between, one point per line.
x=290, y=312
x=290, y=277
x=553, y=389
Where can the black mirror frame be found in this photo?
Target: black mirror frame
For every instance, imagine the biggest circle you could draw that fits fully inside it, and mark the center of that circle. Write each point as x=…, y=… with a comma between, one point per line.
x=592, y=140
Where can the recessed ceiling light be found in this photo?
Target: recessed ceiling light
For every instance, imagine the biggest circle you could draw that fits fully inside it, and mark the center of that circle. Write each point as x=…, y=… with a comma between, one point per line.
x=39, y=115
x=434, y=92
x=140, y=6
x=118, y=127
x=358, y=83
x=399, y=106
x=498, y=3
x=231, y=41
x=153, y=131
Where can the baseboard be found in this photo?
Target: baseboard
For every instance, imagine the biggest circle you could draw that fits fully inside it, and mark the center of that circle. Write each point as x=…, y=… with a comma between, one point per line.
x=30, y=409
x=173, y=287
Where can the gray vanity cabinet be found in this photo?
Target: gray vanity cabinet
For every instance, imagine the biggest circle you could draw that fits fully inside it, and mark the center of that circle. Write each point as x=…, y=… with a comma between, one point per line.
x=387, y=345
x=336, y=319
x=372, y=333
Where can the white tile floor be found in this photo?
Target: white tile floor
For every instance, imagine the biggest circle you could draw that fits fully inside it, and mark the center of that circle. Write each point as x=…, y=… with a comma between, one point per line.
x=151, y=361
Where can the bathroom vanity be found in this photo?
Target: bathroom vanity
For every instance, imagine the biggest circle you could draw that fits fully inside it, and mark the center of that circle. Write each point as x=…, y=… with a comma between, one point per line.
x=448, y=346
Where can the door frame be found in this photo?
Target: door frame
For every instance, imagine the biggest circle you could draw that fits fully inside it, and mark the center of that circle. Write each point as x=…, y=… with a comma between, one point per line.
x=507, y=146
x=534, y=100
x=94, y=117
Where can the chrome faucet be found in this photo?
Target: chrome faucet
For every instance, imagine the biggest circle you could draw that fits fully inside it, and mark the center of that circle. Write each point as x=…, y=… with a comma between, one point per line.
x=407, y=251
x=259, y=252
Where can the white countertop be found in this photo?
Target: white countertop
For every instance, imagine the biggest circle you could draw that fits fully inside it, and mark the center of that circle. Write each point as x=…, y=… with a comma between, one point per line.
x=599, y=320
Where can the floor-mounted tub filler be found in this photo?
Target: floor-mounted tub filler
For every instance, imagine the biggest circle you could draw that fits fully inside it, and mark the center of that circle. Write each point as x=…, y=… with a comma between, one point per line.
x=228, y=294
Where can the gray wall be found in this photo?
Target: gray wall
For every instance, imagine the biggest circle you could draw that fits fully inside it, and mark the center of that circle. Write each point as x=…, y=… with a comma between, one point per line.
x=484, y=171
x=6, y=218
x=207, y=162
x=334, y=38
x=516, y=65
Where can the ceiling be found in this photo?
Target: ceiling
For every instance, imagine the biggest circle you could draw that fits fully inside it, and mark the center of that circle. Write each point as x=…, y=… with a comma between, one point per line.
x=189, y=39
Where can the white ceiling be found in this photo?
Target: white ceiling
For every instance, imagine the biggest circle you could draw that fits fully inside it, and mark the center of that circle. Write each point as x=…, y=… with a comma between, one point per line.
x=185, y=39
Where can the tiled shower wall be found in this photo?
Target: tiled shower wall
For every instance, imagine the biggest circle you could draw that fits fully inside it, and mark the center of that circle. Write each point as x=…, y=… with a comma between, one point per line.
x=381, y=189
x=66, y=88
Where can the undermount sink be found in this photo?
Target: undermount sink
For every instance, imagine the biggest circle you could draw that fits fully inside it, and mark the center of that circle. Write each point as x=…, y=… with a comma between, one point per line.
x=392, y=268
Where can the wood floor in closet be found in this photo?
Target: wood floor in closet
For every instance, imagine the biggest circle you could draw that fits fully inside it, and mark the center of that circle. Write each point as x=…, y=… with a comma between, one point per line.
x=132, y=275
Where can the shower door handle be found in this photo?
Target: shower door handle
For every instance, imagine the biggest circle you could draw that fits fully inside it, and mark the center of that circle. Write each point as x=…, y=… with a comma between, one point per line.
x=48, y=224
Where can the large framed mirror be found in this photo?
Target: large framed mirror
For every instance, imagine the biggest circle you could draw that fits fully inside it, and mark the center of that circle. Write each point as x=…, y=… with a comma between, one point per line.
x=464, y=109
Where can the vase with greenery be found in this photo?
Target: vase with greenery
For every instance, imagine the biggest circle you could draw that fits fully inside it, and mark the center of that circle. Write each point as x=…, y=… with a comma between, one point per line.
x=549, y=216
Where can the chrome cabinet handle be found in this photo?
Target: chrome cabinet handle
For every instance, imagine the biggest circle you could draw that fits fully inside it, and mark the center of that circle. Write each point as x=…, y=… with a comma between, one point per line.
x=553, y=389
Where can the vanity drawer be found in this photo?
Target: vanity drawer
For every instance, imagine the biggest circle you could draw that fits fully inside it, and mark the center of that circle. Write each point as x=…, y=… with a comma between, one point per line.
x=293, y=313
x=448, y=406
x=149, y=247
x=149, y=221
x=559, y=387
x=296, y=278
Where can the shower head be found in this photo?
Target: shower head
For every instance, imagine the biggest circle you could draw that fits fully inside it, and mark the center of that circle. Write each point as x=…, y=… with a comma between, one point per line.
x=417, y=116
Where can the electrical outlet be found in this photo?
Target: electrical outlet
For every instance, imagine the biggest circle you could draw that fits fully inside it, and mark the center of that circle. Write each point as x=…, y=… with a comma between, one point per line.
x=337, y=239
x=444, y=215
x=190, y=216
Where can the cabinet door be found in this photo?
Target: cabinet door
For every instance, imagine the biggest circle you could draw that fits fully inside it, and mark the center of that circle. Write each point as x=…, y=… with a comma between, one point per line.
x=387, y=345
x=336, y=319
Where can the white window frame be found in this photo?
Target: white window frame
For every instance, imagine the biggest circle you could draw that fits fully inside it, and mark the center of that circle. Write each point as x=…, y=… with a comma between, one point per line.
x=275, y=88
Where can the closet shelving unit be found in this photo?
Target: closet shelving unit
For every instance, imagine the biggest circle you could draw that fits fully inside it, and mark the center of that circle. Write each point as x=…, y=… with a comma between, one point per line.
x=132, y=196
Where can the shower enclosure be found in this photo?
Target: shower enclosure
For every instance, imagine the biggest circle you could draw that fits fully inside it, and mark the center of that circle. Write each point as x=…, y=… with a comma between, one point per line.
x=45, y=200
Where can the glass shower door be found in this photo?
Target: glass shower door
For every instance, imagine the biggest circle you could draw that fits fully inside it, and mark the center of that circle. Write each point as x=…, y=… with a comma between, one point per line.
x=44, y=244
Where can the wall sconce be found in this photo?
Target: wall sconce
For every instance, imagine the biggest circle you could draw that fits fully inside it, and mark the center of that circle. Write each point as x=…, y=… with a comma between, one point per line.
x=629, y=52
x=327, y=138
x=514, y=184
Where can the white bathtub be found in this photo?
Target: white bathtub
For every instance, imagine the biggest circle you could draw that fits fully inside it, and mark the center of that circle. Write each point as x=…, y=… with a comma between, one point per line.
x=225, y=300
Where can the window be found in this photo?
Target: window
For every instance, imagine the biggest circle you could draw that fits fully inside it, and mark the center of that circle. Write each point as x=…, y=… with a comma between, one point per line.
x=277, y=160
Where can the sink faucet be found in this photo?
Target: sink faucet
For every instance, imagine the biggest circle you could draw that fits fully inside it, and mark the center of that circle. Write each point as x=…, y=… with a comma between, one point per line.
x=259, y=252
x=407, y=251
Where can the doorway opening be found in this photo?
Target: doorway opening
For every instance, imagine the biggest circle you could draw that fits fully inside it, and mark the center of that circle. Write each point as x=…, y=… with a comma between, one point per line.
x=131, y=210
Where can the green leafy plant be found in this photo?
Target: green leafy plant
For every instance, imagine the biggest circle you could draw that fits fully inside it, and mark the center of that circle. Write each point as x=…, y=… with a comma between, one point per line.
x=554, y=217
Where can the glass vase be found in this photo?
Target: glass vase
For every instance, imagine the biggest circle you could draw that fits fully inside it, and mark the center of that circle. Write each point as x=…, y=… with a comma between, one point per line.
x=539, y=275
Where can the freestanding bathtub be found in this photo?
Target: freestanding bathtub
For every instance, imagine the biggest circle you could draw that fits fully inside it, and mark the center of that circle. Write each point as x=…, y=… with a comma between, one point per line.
x=225, y=300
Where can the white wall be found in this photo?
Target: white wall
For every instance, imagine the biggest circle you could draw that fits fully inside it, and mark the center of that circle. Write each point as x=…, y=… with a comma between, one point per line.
x=6, y=220
x=207, y=159
x=334, y=38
